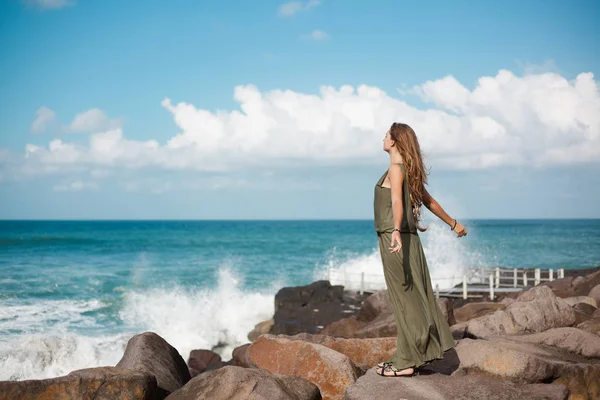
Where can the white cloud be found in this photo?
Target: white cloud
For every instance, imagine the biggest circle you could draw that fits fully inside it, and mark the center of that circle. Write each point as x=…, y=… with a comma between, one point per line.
x=293, y=7
x=43, y=117
x=75, y=186
x=533, y=120
x=50, y=4
x=318, y=34
x=93, y=120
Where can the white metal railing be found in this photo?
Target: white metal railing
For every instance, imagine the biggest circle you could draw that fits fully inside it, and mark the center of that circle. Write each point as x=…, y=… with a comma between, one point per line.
x=478, y=281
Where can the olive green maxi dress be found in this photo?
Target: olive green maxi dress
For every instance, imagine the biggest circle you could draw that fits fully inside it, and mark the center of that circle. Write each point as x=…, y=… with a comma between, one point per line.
x=423, y=332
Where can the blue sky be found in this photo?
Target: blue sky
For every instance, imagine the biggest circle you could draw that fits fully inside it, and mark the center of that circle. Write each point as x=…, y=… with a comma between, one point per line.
x=238, y=109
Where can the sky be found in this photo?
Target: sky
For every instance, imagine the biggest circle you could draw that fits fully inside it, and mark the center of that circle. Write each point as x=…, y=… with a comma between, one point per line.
x=187, y=109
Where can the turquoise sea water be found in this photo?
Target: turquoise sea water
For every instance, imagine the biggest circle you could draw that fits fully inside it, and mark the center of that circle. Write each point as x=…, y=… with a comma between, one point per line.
x=73, y=292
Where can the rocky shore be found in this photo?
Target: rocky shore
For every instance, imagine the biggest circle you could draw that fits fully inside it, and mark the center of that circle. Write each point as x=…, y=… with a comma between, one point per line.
x=324, y=342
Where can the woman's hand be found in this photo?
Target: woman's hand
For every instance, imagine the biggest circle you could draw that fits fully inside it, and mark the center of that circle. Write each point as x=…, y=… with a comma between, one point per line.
x=398, y=242
x=460, y=230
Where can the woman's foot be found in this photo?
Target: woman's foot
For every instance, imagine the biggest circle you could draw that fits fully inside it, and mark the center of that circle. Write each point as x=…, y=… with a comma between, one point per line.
x=390, y=370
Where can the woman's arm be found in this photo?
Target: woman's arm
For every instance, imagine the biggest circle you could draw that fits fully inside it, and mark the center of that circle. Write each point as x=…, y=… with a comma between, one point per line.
x=396, y=182
x=438, y=211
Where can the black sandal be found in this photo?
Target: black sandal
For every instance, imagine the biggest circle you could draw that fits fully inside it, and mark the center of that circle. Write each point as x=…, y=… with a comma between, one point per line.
x=390, y=367
x=383, y=364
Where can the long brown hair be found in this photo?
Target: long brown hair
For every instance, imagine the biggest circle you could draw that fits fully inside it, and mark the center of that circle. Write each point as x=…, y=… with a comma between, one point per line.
x=408, y=146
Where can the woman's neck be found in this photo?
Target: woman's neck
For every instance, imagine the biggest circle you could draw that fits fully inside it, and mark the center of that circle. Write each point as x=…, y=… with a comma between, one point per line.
x=395, y=157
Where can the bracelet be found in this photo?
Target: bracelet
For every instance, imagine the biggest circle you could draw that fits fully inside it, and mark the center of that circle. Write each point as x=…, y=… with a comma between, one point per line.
x=396, y=229
x=453, y=226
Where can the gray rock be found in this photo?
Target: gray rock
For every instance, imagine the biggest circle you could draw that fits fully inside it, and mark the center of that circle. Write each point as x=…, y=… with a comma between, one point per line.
x=529, y=363
x=237, y=383
x=200, y=360
x=374, y=305
x=104, y=383
x=592, y=326
x=240, y=357
x=572, y=340
x=382, y=326
x=148, y=352
x=535, y=310
x=474, y=310
x=595, y=293
x=442, y=387
x=581, y=299
x=583, y=312
x=578, y=281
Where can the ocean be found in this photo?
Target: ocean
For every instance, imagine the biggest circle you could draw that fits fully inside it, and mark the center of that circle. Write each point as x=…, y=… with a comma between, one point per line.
x=73, y=292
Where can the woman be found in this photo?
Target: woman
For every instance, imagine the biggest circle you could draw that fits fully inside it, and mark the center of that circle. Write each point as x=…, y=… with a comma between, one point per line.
x=423, y=332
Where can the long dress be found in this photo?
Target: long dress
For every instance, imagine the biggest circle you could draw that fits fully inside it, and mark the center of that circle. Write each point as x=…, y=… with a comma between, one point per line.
x=423, y=332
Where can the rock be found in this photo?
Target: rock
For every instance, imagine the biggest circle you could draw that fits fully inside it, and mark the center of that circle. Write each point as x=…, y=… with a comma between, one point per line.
x=578, y=281
x=529, y=363
x=364, y=352
x=104, y=383
x=148, y=352
x=309, y=308
x=573, y=340
x=592, y=326
x=374, y=305
x=581, y=299
x=331, y=371
x=562, y=287
x=595, y=293
x=442, y=387
x=585, y=288
x=474, y=310
x=199, y=360
x=375, y=319
x=345, y=327
x=237, y=383
x=240, y=357
x=382, y=326
x=507, y=300
x=583, y=312
x=535, y=310
x=260, y=329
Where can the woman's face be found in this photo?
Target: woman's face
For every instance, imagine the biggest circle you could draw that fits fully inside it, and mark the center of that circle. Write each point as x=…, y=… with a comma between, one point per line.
x=387, y=141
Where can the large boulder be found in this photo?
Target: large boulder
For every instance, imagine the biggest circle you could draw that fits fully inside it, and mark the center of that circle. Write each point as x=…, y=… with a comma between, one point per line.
x=592, y=326
x=595, y=293
x=363, y=352
x=573, y=340
x=309, y=308
x=331, y=371
x=576, y=284
x=529, y=363
x=237, y=383
x=148, y=352
x=382, y=326
x=239, y=356
x=200, y=360
x=572, y=301
x=583, y=312
x=535, y=310
x=474, y=310
x=103, y=383
x=442, y=387
x=374, y=305
x=345, y=328
x=562, y=287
